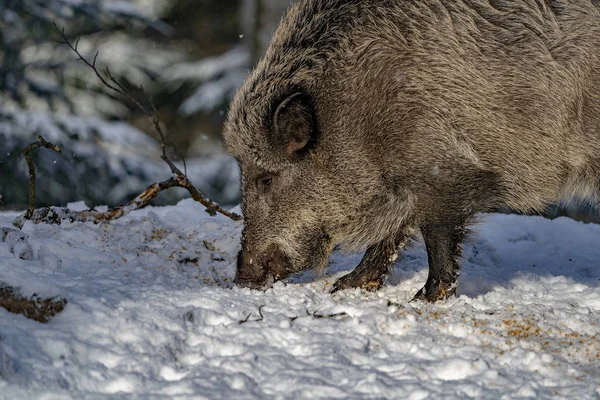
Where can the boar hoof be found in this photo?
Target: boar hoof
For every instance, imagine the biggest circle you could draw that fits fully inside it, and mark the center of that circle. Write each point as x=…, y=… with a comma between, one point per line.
x=442, y=291
x=352, y=281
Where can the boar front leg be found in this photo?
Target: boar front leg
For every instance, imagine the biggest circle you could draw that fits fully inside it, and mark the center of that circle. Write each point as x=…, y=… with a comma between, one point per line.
x=374, y=267
x=443, y=251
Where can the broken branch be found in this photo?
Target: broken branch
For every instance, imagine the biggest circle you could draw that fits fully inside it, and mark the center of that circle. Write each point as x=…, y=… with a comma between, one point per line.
x=55, y=215
x=27, y=153
x=180, y=179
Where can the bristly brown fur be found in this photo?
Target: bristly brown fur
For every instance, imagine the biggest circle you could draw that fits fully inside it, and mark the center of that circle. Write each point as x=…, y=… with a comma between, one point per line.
x=426, y=112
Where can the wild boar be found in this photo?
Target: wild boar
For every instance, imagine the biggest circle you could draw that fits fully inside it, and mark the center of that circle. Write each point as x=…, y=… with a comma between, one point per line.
x=369, y=121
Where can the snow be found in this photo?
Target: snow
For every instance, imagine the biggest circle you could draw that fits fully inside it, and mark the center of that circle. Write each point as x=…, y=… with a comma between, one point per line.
x=218, y=79
x=146, y=319
x=210, y=67
x=212, y=94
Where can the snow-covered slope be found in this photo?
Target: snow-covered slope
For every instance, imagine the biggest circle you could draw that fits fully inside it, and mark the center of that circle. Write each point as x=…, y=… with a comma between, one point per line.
x=149, y=317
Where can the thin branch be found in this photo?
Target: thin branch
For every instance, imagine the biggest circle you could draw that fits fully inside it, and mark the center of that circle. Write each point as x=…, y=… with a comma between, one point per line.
x=27, y=153
x=93, y=66
x=181, y=179
x=329, y=316
x=212, y=208
x=314, y=315
x=218, y=279
x=247, y=319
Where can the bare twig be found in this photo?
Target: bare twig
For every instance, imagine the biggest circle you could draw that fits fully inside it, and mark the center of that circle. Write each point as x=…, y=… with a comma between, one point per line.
x=247, y=319
x=180, y=179
x=314, y=315
x=329, y=316
x=218, y=279
x=27, y=152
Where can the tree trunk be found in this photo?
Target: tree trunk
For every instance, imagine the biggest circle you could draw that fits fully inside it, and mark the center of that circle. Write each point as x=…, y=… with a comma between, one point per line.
x=260, y=19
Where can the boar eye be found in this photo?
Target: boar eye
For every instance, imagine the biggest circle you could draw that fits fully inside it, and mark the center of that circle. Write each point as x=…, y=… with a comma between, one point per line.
x=265, y=182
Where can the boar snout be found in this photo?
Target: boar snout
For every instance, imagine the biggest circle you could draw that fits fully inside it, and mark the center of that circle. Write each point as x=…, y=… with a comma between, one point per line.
x=260, y=272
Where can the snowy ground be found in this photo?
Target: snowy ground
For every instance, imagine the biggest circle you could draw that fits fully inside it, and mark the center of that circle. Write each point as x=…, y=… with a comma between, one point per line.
x=147, y=319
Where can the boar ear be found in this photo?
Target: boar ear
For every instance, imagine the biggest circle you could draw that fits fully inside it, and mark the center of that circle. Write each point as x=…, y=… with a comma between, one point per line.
x=294, y=125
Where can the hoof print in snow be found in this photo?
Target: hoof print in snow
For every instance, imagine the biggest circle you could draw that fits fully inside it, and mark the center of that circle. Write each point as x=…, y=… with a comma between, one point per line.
x=34, y=307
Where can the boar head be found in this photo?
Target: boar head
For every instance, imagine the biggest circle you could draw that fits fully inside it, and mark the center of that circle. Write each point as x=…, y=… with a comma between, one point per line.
x=282, y=188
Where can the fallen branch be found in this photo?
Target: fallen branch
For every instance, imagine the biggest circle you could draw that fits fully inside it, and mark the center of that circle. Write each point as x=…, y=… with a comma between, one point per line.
x=27, y=152
x=55, y=215
x=180, y=179
x=34, y=307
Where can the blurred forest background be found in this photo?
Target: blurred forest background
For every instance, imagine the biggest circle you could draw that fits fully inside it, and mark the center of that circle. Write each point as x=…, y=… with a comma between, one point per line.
x=189, y=55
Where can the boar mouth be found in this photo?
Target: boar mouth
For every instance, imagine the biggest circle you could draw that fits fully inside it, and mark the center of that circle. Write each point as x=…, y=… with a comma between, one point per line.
x=255, y=285
x=260, y=273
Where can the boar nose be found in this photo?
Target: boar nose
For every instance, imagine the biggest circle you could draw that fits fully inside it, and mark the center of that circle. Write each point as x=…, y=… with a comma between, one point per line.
x=260, y=272
x=275, y=262
x=249, y=273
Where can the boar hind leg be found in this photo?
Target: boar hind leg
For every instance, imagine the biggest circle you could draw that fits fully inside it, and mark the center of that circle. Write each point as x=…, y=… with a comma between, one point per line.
x=443, y=251
x=374, y=267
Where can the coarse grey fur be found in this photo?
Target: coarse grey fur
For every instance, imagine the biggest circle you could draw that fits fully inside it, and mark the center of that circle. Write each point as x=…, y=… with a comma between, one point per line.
x=369, y=120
